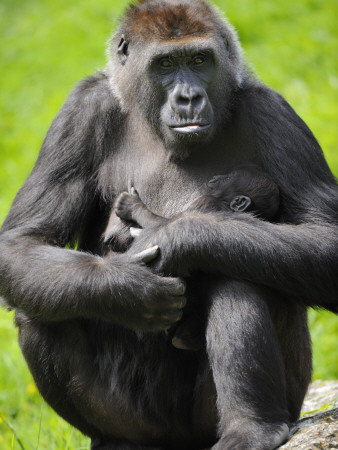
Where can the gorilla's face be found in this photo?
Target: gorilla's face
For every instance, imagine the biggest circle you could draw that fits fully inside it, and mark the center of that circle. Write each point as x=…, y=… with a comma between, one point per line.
x=182, y=79
x=181, y=87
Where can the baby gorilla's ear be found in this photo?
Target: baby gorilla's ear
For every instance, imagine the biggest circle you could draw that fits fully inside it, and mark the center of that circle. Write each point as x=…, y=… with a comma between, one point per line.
x=240, y=203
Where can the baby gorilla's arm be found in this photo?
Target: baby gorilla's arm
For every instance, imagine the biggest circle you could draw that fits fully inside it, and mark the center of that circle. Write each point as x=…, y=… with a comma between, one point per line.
x=189, y=334
x=130, y=207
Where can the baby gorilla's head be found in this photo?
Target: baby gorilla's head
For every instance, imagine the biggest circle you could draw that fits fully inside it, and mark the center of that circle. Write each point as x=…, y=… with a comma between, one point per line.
x=247, y=188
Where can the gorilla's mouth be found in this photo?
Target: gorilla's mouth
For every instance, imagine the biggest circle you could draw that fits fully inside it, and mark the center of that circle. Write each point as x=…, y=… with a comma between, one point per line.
x=190, y=127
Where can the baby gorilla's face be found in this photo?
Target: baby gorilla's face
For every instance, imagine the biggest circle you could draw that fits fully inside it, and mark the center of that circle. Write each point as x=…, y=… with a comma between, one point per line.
x=247, y=188
x=225, y=189
x=219, y=185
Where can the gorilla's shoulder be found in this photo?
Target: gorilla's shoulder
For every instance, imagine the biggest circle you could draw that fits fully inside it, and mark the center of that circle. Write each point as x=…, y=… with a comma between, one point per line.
x=263, y=103
x=257, y=93
x=94, y=94
x=97, y=83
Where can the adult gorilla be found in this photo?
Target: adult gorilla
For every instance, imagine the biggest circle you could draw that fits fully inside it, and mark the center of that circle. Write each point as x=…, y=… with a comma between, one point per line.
x=175, y=107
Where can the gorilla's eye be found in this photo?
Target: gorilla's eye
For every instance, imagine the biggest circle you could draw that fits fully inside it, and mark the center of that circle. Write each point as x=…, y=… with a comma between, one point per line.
x=198, y=60
x=166, y=62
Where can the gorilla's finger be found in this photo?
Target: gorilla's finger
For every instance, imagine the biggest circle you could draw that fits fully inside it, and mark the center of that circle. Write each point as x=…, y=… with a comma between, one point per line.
x=147, y=255
x=108, y=237
x=178, y=286
x=133, y=191
x=179, y=302
x=134, y=232
x=173, y=317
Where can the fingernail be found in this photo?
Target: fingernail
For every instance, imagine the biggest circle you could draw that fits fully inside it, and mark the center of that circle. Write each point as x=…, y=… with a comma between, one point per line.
x=182, y=286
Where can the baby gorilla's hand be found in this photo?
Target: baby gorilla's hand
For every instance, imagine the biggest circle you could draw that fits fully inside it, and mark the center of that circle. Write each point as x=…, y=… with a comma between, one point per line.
x=127, y=204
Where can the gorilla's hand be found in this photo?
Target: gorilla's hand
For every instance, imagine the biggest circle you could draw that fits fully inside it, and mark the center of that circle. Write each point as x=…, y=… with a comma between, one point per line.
x=175, y=257
x=143, y=300
x=127, y=204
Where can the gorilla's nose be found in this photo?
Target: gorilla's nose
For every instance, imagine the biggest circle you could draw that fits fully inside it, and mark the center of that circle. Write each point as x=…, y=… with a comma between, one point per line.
x=188, y=101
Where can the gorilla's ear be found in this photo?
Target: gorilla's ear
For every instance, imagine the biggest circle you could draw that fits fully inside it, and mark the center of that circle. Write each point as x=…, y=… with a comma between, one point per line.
x=240, y=203
x=122, y=50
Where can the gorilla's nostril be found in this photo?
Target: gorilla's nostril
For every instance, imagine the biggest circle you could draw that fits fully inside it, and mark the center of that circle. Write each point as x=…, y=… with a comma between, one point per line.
x=197, y=100
x=183, y=101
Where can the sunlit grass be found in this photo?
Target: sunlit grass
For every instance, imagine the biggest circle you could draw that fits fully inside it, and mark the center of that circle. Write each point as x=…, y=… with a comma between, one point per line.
x=47, y=46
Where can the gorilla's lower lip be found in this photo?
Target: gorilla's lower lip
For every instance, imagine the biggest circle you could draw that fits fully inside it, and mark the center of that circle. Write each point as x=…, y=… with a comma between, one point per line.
x=190, y=128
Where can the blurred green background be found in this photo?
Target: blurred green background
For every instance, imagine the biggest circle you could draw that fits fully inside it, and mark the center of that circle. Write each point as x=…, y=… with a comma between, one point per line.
x=48, y=45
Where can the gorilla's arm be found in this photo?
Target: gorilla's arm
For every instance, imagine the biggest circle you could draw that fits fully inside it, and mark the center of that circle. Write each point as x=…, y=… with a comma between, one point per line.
x=298, y=257
x=298, y=260
x=41, y=277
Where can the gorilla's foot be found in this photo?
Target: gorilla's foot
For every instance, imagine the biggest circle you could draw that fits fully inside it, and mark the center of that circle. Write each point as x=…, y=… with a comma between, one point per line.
x=259, y=437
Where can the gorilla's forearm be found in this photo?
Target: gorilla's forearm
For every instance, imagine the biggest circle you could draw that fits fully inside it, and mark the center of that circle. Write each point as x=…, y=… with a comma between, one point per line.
x=56, y=284
x=299, y=260
x=49, y=282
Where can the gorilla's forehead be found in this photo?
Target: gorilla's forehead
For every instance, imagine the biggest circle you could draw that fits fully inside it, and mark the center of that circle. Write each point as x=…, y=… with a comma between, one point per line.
x=188, y=44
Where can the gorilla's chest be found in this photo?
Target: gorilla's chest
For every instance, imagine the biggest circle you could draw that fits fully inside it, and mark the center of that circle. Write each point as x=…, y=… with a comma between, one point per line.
x=168, y=185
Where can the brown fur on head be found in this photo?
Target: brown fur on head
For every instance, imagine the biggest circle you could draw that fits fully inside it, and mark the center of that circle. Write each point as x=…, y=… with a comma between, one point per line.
x=169, y=20
x=150, y=20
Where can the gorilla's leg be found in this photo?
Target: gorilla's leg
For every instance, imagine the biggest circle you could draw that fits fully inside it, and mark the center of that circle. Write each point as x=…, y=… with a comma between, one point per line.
x=48, y=350
x=290, y=320
x=247, y=367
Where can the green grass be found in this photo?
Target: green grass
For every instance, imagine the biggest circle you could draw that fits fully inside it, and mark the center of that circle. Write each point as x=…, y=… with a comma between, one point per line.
x=48, y=45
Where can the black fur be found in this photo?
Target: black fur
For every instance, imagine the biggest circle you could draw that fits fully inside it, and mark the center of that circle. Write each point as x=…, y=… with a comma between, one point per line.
x=244, y=189
x=92, y=327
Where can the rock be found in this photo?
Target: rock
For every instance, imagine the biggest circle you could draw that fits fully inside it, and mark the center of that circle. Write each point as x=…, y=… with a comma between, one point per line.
x=321, y=395
x=316, y=432
x=319, y=427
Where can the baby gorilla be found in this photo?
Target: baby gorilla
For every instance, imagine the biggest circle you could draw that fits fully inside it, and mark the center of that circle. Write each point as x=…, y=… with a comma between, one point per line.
x=246, y=189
